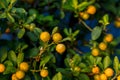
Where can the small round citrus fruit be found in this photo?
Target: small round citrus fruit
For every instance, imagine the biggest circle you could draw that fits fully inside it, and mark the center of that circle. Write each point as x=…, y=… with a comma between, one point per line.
x=14, y=77
x=44, y=73
x=57, y=37
x=108, y=37
x=103, y=46
x=45, y=36
x=95, y=52
x=60, y=48
x=96, y=70
x=24, y=66
x=109, y=72
x=2, y=68
x=7, y=30
x=118, y=77
x=91, y=9
x=97, y=77
x=85, y=16
x=20, y=74
x=117, y=23
x=103, y=76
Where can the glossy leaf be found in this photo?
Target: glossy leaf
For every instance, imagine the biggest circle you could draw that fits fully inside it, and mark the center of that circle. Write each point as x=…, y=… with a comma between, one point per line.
x=116, y=64
x=106, y=62
x=20, y=58
x=96, y=33
x=57, y=76
x=21, y=33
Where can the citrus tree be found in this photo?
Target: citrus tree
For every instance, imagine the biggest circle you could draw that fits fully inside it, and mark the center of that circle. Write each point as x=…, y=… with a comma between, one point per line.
x=59, y=40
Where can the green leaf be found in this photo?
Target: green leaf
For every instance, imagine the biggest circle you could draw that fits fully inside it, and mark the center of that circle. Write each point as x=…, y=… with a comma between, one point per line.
x=27, y=77
x=24, y=47
x=10, y=18
x=55, y=29
x=12, y=56
x=106, y=62
x=20, y=58
x=76, y=59
x=96, y=33
x=83, y=77
x=92, y=59
x=32, y=36
x=45, y=59
x=57, y=76
x=8, y=63
x=21, y=33
x=66, y=32
x=106, y=19
x=82, y=6
x=18, y=10
x=75, y=33
x=3, y=15
x=98, y=60
x=116, y=64
x=9, y=69
x=75, y=4
x=32, y=52
x=31, y=18
x=3, y=54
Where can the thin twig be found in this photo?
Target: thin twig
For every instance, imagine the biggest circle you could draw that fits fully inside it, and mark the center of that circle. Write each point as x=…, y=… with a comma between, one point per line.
x=80, y=20
x=80, y=52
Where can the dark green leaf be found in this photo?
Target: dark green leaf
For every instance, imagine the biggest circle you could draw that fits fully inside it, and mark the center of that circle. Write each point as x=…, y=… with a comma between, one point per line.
x=3, y=53
x=9, y=69
x=12, y=56
x=45, y=59
x=10, y=18
x=32, y=52
x=32, y=36
x=3, y=15
x=83, y=77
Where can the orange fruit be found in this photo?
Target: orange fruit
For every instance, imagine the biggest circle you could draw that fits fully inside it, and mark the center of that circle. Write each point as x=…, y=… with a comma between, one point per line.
x=102, y=46
x=7, y=30
x=91, y=9
x=103, y=76
x=57, y=37
x=85, y=16
x=108, y=38
x=118, y=77
x=95, y=52
x=60, y=48
x=14, y=77
x=109, y=72
x=2, y=68
x=97, y=77
x=24, y=66
x=45, y=36
x=20, y=74
x=44, y=73
x=117, y=23
x=95, y=70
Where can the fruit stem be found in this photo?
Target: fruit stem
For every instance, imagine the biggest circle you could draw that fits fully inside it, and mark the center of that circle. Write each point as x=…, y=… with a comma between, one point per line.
x=80, y=20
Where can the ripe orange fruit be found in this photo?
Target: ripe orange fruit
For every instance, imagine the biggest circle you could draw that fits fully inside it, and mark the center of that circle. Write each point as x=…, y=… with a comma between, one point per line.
x=108, y=38
x=85, y=16
x=2, y=68
x=44, y=73
x=14, y=77
x=20, y=74
x=95, y=52
x=103, y=76
x=103, y=46
x=24, y=66
x=117, y=23
x=7, y=30
x=60, y=48
x=96, y=70
x=45, y=36
x=97, y=77
x=109, y=72
x=57, y=37
x=118, y=78
x=91, y=9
